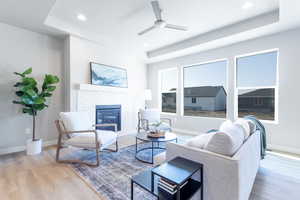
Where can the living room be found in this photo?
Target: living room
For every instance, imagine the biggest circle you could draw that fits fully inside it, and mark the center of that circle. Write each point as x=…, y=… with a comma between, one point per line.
x=98, y=96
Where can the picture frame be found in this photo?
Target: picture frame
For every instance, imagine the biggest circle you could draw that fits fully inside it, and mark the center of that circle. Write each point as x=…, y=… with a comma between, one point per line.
x=106, y=75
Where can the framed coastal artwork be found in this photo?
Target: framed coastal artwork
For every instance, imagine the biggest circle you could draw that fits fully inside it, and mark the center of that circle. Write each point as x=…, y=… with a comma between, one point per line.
x=106, y=75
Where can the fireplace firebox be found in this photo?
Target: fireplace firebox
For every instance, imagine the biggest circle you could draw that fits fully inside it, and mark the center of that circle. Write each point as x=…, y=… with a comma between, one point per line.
x=107, y=114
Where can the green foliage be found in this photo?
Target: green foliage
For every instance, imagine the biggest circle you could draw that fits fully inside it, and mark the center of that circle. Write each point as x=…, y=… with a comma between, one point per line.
x=30, y=97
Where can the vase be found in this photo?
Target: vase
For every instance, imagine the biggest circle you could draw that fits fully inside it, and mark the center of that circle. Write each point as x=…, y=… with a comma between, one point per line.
x=34, y=147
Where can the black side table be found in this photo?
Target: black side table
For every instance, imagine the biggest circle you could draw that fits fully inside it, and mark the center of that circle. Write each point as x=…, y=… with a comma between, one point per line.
x=179, y=172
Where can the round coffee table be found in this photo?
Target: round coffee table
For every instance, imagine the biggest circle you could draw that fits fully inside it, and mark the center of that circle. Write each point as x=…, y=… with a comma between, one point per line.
x=169, y=136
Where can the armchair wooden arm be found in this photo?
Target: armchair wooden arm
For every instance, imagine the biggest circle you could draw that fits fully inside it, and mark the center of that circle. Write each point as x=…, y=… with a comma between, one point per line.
x=62, y=131
x=107, y=125
x=167, y=119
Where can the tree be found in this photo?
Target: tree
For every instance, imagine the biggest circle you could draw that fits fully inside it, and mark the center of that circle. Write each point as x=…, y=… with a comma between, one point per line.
x=30, y=97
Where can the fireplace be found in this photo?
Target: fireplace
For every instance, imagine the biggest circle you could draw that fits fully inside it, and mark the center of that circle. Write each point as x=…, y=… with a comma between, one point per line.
x=108, y=114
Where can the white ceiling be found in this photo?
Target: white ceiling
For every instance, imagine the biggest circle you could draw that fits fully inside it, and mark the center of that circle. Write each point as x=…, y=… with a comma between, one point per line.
x=29, y=14
x=124, y=19
x=119, y=21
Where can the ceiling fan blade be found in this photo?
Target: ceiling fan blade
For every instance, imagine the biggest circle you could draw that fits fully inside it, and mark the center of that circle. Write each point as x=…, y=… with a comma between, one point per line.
x=146, y=30
x=176, y=27
x=156, y=9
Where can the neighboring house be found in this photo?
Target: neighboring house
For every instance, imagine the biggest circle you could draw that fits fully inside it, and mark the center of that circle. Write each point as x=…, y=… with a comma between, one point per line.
x=261, y=100
x=169, y=101
x=207, y=98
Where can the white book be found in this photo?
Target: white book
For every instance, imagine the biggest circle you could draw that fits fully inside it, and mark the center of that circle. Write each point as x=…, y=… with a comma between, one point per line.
x=167, y=190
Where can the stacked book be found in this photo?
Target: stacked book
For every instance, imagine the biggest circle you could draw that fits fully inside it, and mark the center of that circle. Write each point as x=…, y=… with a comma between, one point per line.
x=168, y=186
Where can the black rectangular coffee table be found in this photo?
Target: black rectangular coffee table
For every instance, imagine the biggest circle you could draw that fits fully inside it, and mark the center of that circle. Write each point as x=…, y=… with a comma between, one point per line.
x=177, y=171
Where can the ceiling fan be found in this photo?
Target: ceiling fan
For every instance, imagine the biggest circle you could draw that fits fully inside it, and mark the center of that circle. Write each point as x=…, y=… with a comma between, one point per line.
x=159, y=22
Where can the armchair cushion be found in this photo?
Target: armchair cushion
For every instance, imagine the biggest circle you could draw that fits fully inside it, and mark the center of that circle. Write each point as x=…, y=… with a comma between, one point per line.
x=76, y=121
x=152, y=115
x=87, y=140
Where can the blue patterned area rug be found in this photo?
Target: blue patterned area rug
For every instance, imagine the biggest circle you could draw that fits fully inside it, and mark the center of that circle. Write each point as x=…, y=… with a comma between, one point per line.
x=112, y=178
x=277, y=178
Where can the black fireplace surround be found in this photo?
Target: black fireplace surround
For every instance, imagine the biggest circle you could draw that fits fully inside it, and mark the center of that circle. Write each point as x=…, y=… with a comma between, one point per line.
x=108, y=114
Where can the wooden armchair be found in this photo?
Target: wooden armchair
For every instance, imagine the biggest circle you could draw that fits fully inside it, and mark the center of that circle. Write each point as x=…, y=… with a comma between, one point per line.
x=75, y=129
x=147, y=119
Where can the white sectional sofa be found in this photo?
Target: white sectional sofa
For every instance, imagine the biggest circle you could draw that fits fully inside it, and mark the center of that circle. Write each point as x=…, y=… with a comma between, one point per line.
x=225, y=178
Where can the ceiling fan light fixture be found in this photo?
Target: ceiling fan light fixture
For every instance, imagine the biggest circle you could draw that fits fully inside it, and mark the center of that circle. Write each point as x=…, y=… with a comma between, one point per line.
x=247, y=5
x=81, y=17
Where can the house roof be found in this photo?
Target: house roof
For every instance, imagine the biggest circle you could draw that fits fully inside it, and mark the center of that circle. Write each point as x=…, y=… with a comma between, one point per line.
x=204, y=91
x=259, y=93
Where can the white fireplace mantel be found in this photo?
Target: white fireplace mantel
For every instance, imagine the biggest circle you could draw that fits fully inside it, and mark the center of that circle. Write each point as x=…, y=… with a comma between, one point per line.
x=98, y=88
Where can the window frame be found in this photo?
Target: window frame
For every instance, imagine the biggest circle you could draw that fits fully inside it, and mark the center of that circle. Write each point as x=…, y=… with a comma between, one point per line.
x=226, y=82
x=160, y=89
x=236, y=88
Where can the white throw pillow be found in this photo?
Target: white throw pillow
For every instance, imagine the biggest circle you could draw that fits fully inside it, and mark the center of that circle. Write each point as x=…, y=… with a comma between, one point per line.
x=228, y=140
x=245, y=125
x=200, y=141
x=76, y=121
x=225, y=124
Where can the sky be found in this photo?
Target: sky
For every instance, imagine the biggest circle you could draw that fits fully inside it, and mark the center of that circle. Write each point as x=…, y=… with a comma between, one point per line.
x=210, y=74
x=252, y=71
x=258, y=70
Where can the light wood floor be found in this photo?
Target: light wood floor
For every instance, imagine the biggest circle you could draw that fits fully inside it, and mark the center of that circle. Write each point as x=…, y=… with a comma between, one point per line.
x=40, y=177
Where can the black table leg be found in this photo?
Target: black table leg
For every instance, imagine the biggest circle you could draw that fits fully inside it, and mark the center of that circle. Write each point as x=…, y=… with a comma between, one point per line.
x=136, y=145
x=152, y=153
x=201, y=181
x=131, y=190
x=178, y=193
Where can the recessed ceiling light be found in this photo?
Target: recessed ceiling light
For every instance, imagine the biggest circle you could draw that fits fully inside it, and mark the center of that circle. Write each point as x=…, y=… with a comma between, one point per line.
x=81, y=17
x=247, y=5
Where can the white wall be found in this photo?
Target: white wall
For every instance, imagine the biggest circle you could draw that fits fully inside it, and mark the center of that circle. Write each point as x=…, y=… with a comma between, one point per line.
x=81, y=53
x=21, y=49
x=285, y=135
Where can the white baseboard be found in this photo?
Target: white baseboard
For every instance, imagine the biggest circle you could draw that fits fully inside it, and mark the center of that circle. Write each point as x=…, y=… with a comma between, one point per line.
x=283, y=148
x=15, y=149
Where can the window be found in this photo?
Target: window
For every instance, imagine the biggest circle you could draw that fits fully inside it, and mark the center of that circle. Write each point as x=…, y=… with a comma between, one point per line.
x=257, y=85
x=205, y=89
x=194, y=100
x=168, y=89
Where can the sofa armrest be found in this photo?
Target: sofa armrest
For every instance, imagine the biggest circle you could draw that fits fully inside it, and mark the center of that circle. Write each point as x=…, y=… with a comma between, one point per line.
x=220, y=172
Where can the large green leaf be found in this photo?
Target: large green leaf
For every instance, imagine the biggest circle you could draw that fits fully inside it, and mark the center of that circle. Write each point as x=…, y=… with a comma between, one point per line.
x=18, y=102
x=39, y=100
x=27, y=100
x=19, y=74
x=19, y=93
x=39, y=106
x=31, y=93
x=18, y=84
x=29, y=81
x=50, y=88
x=28, y=110
x=27, y=71
x=50, y=79
x=46, y=94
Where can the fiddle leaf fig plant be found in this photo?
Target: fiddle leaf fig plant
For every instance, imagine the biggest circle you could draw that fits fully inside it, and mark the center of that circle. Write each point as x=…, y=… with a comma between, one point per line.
x=31, y=97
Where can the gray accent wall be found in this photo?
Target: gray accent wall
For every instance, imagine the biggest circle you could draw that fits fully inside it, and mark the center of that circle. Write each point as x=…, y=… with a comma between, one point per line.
x=20, y=49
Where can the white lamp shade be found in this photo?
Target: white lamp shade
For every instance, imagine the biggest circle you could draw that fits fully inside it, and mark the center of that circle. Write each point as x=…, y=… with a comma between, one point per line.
x=148, y=95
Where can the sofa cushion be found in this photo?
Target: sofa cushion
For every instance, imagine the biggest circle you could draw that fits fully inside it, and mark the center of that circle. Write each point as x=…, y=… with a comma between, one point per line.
x=228, y=140
x=245, y=125
x=200, y=141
